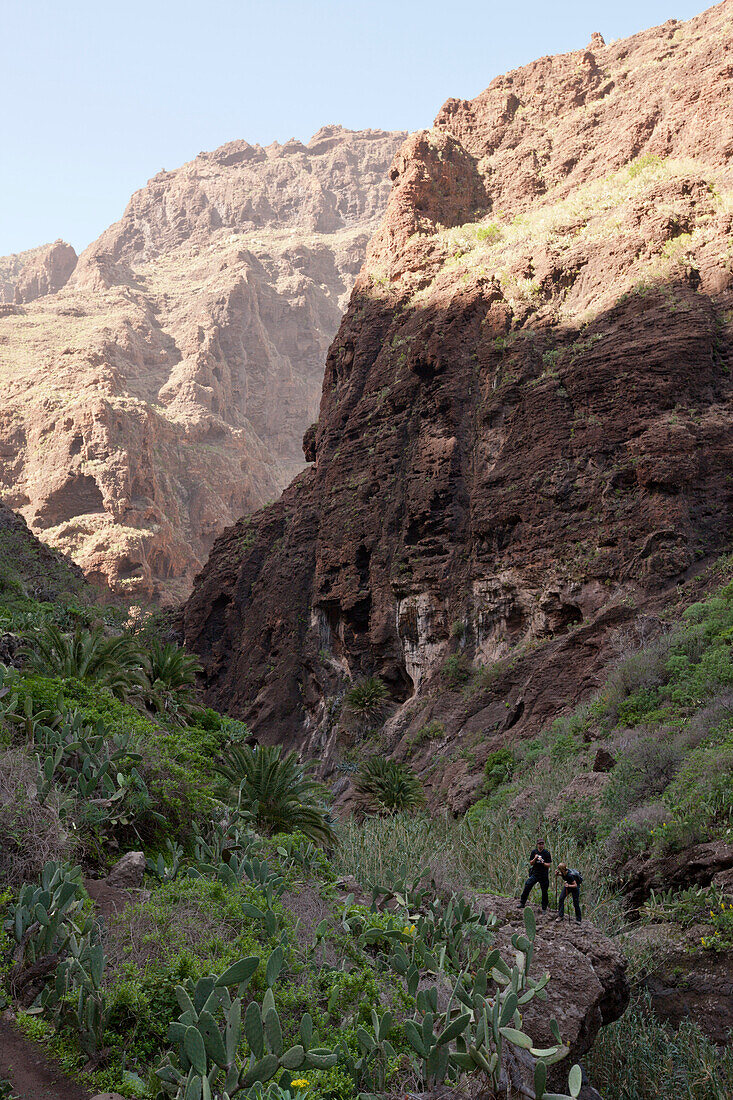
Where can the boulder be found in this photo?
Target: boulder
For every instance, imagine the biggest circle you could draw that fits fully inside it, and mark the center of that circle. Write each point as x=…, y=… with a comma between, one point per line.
x=724, y=881
x=588, y=987
x=603, y=762
x=696, y=866
x=127, y=873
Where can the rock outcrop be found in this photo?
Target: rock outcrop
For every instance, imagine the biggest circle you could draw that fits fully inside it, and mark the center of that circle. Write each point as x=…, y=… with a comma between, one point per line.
x=47, y=271
x=164, y=391
x=524, y=436
x=31, y=568
x=10, y=270
x=588, y=986
x=700, y=865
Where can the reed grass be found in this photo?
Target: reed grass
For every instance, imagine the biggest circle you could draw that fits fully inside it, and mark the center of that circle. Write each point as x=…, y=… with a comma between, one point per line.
x=639, y=1058
x=485, y=856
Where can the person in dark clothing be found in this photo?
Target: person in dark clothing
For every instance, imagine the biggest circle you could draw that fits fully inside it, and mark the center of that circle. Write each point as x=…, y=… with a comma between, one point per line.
x=571, y=881
x=539, y=864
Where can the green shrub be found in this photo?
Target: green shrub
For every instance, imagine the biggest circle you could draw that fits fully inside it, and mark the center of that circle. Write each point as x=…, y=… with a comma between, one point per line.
x=498, y=769
x=647, y=160
x=431, y=731
x=642, y=773
x=456, y=671
x=489, y=233
x=389, y=786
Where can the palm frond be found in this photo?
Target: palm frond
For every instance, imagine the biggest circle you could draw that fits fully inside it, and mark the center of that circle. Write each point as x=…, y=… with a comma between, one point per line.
x=278, y=791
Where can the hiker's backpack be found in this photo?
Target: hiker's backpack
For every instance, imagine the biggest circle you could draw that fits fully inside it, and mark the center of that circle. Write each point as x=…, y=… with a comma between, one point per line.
x=577, y=876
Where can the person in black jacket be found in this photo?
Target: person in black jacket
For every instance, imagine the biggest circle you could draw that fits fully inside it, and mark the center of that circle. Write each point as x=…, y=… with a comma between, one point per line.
x=539, y=863
x=571, y=881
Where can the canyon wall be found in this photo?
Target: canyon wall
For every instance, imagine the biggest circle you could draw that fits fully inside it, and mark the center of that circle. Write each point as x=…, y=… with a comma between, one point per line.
x=525, y=438
x=158, y=388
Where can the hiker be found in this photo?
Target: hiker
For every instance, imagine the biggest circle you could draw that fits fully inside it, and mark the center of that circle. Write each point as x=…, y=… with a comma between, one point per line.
x=539, y=862
x=571, y=883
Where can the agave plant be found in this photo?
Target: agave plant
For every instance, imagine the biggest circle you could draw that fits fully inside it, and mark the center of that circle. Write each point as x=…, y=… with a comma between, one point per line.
x=170, y=673
x=115, y=661
x=389, y=786
x=277, y=791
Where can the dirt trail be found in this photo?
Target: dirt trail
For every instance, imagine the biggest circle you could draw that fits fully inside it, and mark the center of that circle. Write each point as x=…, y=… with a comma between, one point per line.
x=30, y=1073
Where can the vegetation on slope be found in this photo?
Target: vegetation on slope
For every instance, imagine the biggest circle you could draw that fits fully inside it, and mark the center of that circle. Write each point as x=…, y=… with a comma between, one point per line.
x=245, y=962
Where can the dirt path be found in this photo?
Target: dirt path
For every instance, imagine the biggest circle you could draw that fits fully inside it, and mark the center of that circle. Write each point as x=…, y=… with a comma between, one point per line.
x=29, y=1071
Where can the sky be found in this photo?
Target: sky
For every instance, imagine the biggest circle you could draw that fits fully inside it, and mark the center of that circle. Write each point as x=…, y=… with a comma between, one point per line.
x=99, y=96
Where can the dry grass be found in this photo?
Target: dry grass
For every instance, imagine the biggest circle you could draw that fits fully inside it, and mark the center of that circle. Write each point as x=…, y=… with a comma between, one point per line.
x=147, y=933
x=30, y=834
x=594, y=213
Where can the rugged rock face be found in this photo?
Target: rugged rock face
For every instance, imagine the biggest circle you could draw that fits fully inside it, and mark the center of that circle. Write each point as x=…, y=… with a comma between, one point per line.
x=164, y=391
x=525, y=424
x=11, y=268
x=48, y=270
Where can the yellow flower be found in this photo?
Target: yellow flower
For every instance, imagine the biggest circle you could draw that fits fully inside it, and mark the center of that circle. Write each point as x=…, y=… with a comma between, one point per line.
x=712, y=914
x=299, y=1083
x=409, y=930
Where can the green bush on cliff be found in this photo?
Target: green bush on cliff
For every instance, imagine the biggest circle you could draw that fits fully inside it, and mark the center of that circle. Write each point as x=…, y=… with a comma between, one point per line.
x=498, y=769
x=367, y=699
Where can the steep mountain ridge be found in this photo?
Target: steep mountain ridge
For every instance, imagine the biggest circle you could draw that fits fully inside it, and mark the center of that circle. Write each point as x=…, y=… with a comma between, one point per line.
x=525, y=429
x=164, y=390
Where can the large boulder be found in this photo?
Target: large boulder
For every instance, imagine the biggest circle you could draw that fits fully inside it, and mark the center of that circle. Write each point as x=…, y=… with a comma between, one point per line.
x=697, y=866
x=588, y=986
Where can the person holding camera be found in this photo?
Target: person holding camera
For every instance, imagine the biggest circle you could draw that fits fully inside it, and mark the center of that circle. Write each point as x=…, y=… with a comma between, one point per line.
x=539, y=864
x=571, y=883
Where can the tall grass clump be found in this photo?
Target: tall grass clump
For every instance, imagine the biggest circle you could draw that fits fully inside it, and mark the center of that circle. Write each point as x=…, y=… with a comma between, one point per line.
x=639, y=1058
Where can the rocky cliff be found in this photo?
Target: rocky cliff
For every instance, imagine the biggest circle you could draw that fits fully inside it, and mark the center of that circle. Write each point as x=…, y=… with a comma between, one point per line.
x=524, y=437
x=46, y=271
x=163, y=392
x=11, y=268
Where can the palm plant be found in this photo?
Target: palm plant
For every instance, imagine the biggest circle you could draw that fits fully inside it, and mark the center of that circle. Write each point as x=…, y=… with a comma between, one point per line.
x=386, y=785
x=114, y=661
x=171, y=674
x=368, y=697
x=277, y=791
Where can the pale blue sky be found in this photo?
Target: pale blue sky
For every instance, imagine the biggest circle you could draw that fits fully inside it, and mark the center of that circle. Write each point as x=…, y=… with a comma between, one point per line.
x=99, y=96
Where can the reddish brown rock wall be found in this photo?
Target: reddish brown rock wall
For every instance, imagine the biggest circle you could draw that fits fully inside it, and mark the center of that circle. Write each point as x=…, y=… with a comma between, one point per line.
x=525, y=427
